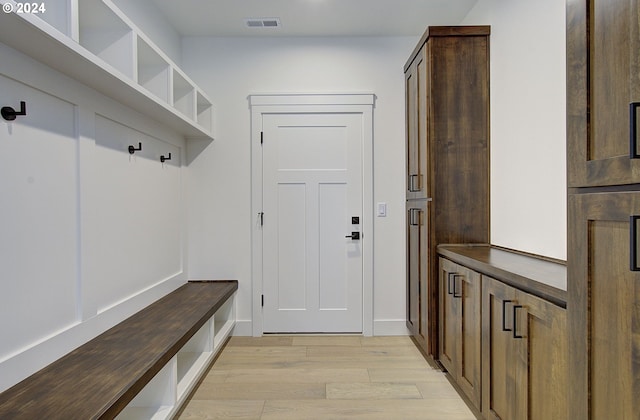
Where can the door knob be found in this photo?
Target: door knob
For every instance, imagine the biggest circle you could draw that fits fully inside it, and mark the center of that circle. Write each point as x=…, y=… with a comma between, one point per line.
x=354, y=236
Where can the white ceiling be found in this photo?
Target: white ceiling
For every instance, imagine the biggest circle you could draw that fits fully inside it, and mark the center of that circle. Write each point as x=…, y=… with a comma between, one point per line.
x=313, y=17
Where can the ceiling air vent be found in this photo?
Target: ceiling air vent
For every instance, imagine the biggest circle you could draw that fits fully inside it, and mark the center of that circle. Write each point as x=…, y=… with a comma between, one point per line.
x=263, y=22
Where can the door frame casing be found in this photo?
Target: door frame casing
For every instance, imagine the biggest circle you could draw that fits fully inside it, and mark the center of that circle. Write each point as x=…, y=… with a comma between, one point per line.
x=304, y=104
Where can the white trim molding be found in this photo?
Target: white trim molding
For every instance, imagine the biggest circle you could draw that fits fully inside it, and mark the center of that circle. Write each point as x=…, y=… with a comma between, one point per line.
x=317, y=103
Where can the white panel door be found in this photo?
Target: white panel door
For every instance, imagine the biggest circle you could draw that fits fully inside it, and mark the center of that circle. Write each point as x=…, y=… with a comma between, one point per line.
x=312, y=187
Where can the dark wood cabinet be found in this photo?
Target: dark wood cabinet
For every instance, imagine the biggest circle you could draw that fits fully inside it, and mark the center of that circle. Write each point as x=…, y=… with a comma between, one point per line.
x=604, y=298
x=447, y=142
x=460, y=327
x=416, y=126
x=524, y=355
x=417, y=266
x=603, y=171
x=603, y=90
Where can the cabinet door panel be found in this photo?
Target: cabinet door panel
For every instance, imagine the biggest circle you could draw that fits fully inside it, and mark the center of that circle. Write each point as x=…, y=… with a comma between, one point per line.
x=600, y=89
x=542, y=363
x=449, y=319
x=416, y=80
x=604, y=297
x=413, y=271
x=460, y=326
x=422, y=141
x=418, y=266
x=499, y=381
x=469, y=348
x=411, y=97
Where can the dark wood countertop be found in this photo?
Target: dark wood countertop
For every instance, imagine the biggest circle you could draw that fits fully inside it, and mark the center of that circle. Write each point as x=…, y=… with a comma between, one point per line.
x=544, y=278
x=99, y=378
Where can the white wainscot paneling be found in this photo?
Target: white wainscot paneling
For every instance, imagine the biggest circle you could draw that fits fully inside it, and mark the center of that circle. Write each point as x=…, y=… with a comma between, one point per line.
x=38, y=218
x=136, y=217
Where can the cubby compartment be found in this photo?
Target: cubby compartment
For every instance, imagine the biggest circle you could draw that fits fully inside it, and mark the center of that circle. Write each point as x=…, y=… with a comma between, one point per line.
x=56, y=13
x=194, y=357
x=105, y=35
x=183, y=95
x=96, y=43
x=157, y=399
x=153, y=71
x=204, y=116
x=224, y=320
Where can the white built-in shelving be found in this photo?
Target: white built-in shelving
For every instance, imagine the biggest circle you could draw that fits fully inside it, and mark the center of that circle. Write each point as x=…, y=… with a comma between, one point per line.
x=94, y=42
x=163, y=396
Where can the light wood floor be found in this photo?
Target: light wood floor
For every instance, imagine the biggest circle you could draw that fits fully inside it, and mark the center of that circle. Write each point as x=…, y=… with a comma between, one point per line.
x=324, y=377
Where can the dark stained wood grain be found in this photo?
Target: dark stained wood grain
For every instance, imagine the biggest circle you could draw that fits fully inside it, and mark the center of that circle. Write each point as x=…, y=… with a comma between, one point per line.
x=603, y=67
x=540, y=277
x=460, y=327
x=604, y=296
x=448, y=124
x=524, y=377
x=436, y=31
x=98, y=379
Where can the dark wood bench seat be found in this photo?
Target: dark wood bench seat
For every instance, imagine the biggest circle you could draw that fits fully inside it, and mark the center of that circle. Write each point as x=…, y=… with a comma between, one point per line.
x=98, y=379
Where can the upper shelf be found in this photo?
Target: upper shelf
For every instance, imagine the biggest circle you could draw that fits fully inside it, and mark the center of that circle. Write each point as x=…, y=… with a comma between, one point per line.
x=93, y=42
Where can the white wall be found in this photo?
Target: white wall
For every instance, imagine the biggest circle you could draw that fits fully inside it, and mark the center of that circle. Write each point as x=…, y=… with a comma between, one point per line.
x=146, y=16
x=230, y=69
x=528, y=129
x=89, y=233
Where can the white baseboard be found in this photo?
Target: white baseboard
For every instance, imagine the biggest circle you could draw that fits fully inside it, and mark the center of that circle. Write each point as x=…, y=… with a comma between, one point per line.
x=243, y=328
x=390, y=327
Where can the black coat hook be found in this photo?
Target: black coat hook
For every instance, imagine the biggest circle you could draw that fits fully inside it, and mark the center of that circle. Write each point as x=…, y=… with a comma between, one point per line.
x=10, y=114
x=132, y=149
x=163, y=158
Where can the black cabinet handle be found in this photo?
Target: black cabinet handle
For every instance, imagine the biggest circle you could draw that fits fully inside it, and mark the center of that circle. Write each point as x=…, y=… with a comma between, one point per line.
x=412, y=183
x=633, y=130
x=633, y=235
x=449, y=277
x=504, y=317
x=455, y=294
x=414, y=217
x=515, y=324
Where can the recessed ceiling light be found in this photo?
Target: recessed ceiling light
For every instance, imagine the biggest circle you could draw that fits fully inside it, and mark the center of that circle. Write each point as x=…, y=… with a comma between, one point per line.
x=262, y=22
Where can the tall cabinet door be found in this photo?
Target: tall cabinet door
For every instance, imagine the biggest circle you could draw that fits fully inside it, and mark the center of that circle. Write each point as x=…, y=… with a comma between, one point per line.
x=418, y=264
x=604, y=303
x=603, y=92
x=416, y=79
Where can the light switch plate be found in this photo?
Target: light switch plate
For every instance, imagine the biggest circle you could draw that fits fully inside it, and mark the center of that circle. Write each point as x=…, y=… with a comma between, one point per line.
x=382, y=210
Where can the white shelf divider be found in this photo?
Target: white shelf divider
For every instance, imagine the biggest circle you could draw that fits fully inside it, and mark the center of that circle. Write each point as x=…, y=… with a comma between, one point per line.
x=169, y=389
x=204, y=111
x=94, y=42
x=153, y=72
x=183, y=95
x=193, y=358
x=224, y=321
x=105, y=35
x=157, y=399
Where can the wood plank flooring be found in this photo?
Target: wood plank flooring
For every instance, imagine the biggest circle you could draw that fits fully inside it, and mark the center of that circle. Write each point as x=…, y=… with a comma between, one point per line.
x=324, y=377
